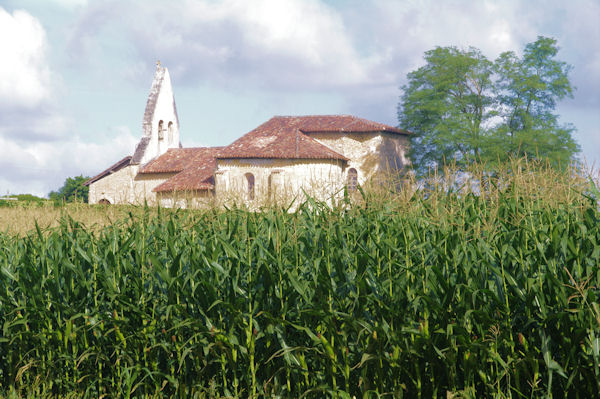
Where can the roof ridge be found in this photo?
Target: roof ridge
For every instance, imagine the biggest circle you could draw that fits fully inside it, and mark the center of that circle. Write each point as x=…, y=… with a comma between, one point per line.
x=313, y=116
x=157, y=82
x=197, y=148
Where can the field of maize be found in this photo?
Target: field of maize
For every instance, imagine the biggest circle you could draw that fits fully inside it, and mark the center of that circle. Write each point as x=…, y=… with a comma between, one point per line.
x=442, y=293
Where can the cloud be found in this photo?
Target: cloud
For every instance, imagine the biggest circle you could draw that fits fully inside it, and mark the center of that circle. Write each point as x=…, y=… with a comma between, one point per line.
x=41, y=123
x=359, y=51
x=69, y=4
x=263, y=43
x=310, y=45
x=40, y=167
x=24, y=74
x=400, y=32
x=581, y=43
x=37, y=147
x=28, y=111
x=308, y=55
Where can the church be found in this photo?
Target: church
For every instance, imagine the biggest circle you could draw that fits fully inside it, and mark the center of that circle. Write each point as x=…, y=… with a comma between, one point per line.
x=280, y=161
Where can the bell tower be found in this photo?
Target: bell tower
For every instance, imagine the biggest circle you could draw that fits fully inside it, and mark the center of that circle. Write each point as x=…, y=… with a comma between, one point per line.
x=160, y=125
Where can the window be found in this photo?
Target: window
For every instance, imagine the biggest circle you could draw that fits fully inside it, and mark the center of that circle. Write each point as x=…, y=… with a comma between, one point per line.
x=104, y=201
x=170, y=129
x=352, y=183
x=160, y=130
x=250, y=183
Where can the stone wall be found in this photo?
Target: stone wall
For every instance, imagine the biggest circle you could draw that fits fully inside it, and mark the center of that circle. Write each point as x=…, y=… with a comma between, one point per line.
x=125, y=186
x=187, y=199
x=144, y=184
x=116, y=188
x=369, y=153
x=277, y=180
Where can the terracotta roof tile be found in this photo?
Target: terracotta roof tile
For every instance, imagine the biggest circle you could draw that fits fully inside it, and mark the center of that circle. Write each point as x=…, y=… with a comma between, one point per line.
x=197, y=172
x=178, y=159
x=284, y=137
x=339, y=123
x=277, y=138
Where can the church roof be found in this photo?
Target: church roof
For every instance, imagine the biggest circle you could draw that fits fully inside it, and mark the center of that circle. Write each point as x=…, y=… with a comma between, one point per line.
x=196, y=167
x=178, y=159
x=287, y=137
x=281, y=137
x=111, y=169
x=338, y=123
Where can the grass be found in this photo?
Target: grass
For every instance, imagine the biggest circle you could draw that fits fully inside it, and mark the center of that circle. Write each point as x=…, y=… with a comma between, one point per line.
x=482, y=287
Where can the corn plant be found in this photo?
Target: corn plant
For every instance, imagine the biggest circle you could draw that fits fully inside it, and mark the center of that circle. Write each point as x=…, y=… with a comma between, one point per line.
x=445, y=293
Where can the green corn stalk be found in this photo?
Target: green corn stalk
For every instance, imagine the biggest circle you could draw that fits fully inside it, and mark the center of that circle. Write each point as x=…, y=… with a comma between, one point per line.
x=480, y=294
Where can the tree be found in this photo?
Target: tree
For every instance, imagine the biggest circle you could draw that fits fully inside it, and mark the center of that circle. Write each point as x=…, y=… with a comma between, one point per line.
x=528, y=90
x=72, y=190
x=462, y=107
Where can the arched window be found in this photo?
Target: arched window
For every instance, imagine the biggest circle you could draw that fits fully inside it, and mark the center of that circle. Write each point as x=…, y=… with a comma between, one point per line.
x=160, y=130
x=250, y=185
x=352, y=180
x=104, y=201
x=170, y=129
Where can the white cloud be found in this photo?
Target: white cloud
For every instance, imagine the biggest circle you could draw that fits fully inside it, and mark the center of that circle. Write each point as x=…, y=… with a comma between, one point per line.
x=37, y=147
x=24, y=73
x=354, y=54
x=360, y=51
x=70, y=3
x=263, y=43
x=28, y=102
x=40, y=167
x=41, y=123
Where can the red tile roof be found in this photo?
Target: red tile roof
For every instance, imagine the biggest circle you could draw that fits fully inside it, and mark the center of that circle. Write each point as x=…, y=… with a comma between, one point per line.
x=280, y=137
x=339, y=123
x=111, y=169
x=178, y=159
x=284, y=137
x=196, y=167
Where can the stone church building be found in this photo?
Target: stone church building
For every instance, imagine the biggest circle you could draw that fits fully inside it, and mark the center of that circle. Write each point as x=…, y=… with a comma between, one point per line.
x=277, y=162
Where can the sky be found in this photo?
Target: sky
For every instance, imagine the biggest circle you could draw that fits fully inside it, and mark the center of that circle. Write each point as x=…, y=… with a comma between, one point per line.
x=75, y=74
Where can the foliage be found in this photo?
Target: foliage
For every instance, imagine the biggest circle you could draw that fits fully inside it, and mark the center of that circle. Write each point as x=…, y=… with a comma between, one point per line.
x=72, y=190
x=27, y=198
x=462, y=107
x=6, y=203
x=20, y=199
x=442, y=293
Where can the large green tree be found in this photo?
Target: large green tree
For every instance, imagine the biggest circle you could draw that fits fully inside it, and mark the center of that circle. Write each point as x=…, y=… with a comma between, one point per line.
x=463, y=107
x=72, y=190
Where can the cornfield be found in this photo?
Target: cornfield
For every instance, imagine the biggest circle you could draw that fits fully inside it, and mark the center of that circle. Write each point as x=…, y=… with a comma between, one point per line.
x=441, y=294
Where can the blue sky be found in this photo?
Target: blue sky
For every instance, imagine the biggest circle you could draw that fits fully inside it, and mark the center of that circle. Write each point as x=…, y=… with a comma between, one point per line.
x=75, y=74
